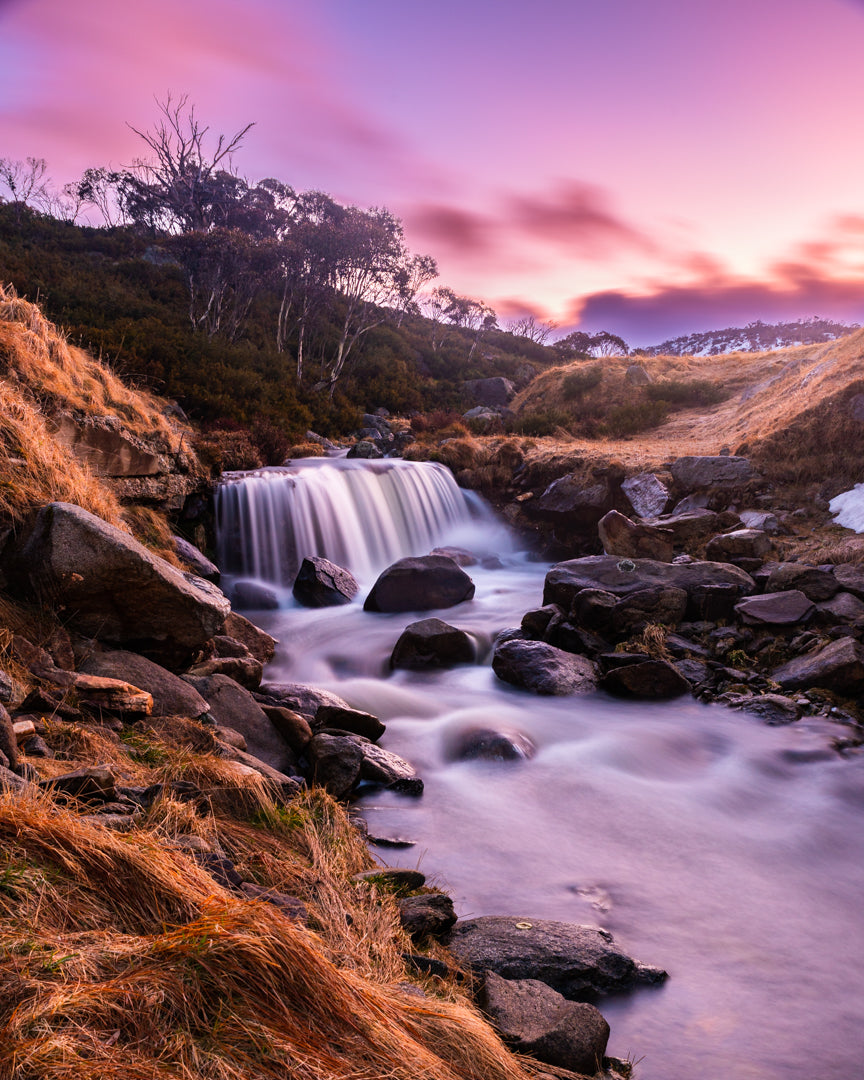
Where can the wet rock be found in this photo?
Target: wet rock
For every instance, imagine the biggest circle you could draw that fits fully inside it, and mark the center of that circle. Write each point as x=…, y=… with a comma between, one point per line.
x=335, y=763
x=245, y=670
x=776, y=609
x=771, y=709
x=232, y=706
x=624, y=576
x=197, y=562
x=172, y=696
x=427, y=915
x=321, y=583
x=839, y=666
x=306, y=700
x=536, y=1020
x=420, y=584
x=648, y=495
x=741, y=545
x=366, y=449
x=260, y=644
x=817, y=585
x=459, y=555
x=380, y=766
x=649, y=680
x=696, y=473
x=664, y=604
x=575, y=960
x=350, y=720
x=253, y=596
x=536, y=622
x=623, y=537
x=489, y=744
x=432, y=643
x=543, y=669
x=111, y=586
x=294, y=728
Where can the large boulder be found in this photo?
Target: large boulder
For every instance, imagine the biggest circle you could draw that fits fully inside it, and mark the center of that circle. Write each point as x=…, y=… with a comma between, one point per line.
x=172, y=696
x=648, y=495
x=306, y=700
x=536, y=1020
x=745, y=547
x=257, y=641
x=420, y=584
x=688, y=527
x=432, y=643
x=817, y=585
x=571, y=502
x=665, y=604
x=321, y=583
x=233, y=707
x=839, y=666
x=696, y=473
x=491, y=392
x=112, y=587
x=621, y=536
x=577, y=961
x=624, y=576
x=543, y=669
x=105, y=449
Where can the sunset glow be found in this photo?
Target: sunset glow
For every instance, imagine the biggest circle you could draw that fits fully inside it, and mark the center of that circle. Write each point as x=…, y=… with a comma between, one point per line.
x=647, y=168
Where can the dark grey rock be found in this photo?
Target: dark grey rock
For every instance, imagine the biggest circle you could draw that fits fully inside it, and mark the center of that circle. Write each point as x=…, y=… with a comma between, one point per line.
x=489, y=744
x=427, y=915
x=843, y=607
x=694, y=473
x=253, y=596
x=776, y=609
x=321, y=583
x=543, y=669
x=172, y=696
x=664, y=604
x=8, y=741
x=350, y=720
x=197, y=562
x=772, y=709
x=817, y=585
x=839, y=666
x=91, y=783
x=432, y=643
x=335, y=763
x=420, y=584
x=490, y=392
x=306, y=700
x=575, y=960
x=649, y=680
x=850, y=577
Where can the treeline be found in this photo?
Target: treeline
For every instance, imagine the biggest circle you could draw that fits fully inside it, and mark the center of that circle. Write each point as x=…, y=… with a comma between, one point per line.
x=246, y=301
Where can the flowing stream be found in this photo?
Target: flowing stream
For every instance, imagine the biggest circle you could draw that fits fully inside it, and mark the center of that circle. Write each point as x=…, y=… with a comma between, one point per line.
x=726, y=851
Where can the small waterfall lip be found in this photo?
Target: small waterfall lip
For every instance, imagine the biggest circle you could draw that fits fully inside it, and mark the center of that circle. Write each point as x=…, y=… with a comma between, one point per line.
x=360, y=514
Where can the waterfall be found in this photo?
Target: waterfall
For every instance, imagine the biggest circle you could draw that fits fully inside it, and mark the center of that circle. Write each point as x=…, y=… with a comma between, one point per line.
x=362, y=515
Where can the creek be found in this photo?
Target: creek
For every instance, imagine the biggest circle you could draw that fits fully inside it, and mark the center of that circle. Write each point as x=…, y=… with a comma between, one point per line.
x=726, y=851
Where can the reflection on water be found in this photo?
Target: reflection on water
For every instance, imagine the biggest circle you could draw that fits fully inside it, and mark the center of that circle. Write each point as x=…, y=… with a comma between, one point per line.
x=728, y=852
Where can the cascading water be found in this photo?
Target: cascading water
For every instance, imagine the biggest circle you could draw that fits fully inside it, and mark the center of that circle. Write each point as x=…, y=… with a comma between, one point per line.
x=360, y=515
x=726, y=851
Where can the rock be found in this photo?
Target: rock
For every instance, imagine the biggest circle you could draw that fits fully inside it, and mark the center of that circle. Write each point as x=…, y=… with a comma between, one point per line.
x=225, y=647
x=489, y=744
x=663, y=604
x=94, y=782
x=8, y=740
x=841, y=608
x=760, y=519
x=688, y=528
x=420, y=584
x=570, y=502
x=775, y=609
x=114, y=695
x=197, y=562
x=294, y=729
x=536, y=1020
x=335, y=763
x=713, y=603
x=245, y=670
x=839, y=666
x=291, y=906
x=306, y=700
x=536, y=622
x=365, y=449
x=321, y=583
x=491, y=392
x=770, y=708
x=742, y=544
x=427, y=915
x=636, y=375
x=11, y=781
x=350, y=720
x=624, y=576
x=383, y=767
x=171, y=695
x=694, y=473
x=253, y=596
x=482, y=415
x=392, y=878
x=648, y=495
x=7, y=688
x=259, y=643
x=231, y=737
x=543, y=669
x=649, y=680
x=111, y=586
x=850, y=577
x=815, y=584
x=104, y=449
x=460, y=556
x=232, y=706
x=575, y=960
x=432, y=643
x=621, y=536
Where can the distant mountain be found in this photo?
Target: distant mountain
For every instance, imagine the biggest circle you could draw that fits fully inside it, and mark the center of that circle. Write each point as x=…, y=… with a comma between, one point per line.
x=754, y=337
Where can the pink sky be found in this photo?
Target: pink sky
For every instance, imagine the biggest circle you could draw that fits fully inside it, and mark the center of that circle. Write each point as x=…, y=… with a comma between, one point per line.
x=649, y=168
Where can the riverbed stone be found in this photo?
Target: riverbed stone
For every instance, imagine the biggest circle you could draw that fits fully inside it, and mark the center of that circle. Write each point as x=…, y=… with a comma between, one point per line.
x=432, y=643
x=850, y=576
x=647, y=680
x=542, y=668
x=817, y=585
x=647, y=494
x=112, y=587
x=245, y=670
x=351, y=720
x=696, y=472
x=489, y=744
x=773, y=709
x=536, y=1020
x=577, y=961
x=253, y=596
x=298, y=697
x=196, y=560
x=172, y=696
x=624, y=576
x=623, y=537
x=335, y=763
x=665, y=604
x=420, y=584
x=776, y=609
x=321, y=583
x=839, y=666
x=843, y=607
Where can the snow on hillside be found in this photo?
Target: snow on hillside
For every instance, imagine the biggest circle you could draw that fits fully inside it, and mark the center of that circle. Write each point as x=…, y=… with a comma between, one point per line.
x=755, y=337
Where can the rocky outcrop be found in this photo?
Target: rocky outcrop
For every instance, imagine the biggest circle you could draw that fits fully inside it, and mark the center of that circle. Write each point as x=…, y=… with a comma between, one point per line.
x=111, y=586
x=490, y=392
x=694, y=473
x=172, y=696
x=420, y=584
x=647, y=494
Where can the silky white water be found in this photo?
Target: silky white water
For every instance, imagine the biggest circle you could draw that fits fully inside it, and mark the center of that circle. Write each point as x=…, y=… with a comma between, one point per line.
x=726, y=851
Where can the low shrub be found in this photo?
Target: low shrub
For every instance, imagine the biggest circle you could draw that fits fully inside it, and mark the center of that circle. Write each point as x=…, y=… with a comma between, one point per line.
x=579, y=382
x=541, y=423
x=680, y=394
x=638, y=416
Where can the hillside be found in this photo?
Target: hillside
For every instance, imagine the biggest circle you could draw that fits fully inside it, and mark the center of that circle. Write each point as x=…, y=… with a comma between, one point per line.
x=754, y=337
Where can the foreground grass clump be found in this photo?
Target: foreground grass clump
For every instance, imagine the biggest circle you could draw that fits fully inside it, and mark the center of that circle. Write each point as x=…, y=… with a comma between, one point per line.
x=121, y=957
